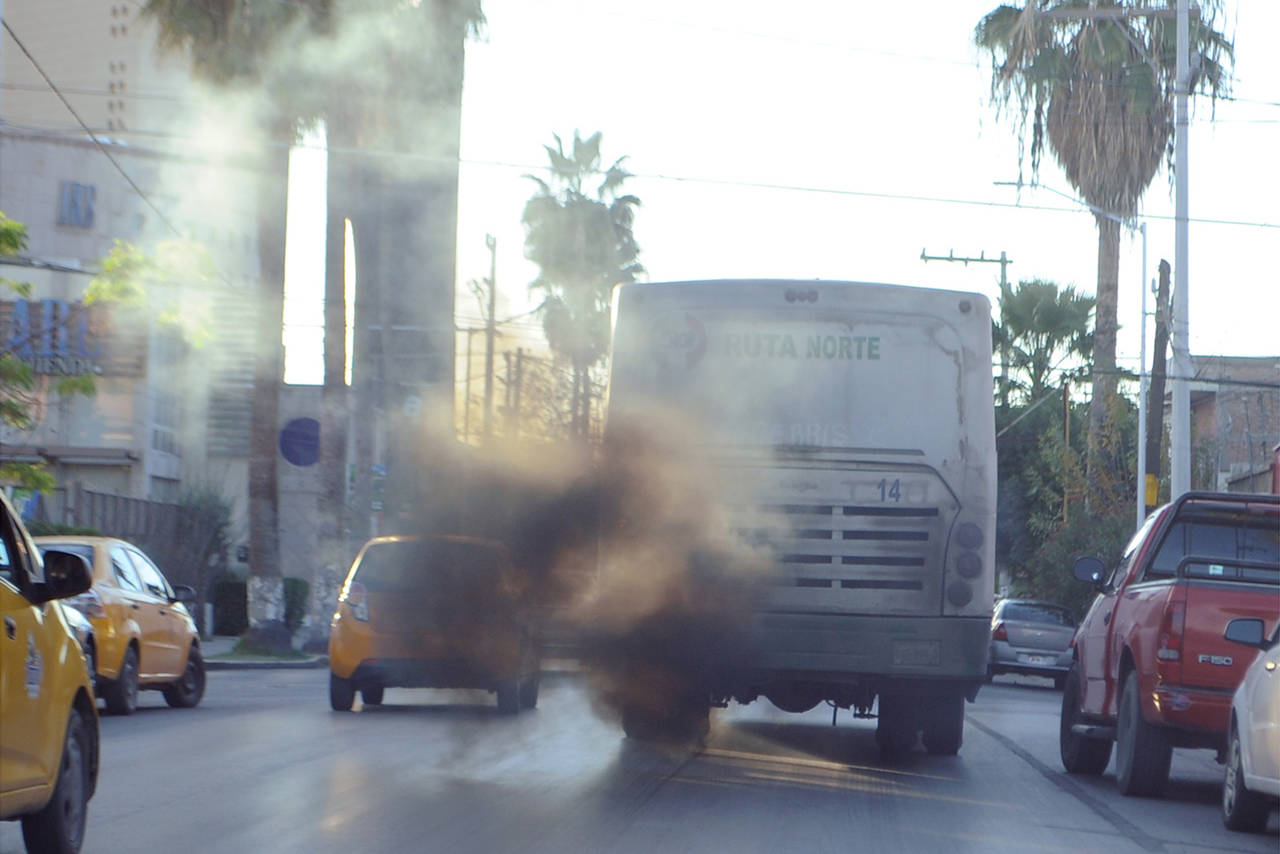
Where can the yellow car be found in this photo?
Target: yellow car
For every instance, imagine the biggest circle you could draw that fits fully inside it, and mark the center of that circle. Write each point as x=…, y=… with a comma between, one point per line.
x=432, y=612
x=48, y=723
x=145, y=638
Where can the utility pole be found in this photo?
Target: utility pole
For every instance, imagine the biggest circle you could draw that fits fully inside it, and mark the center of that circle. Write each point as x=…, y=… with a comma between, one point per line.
x=466, y=395
x=1155, y=405
x=490, y=330
x=1004, y=261
x=507, y=390
x=1140, y=509
x=515, y=407
x=1180, y=475
x=1066, y=447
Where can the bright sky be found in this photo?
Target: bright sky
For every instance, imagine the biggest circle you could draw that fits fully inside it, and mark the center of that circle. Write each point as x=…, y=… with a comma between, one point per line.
x=821, y=143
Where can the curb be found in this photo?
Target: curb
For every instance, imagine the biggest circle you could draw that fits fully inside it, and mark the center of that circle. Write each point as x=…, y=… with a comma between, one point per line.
x=300, y=664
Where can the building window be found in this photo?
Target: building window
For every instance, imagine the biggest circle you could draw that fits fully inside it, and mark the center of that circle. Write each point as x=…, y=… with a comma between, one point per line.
x=165, y=489
x=75, y=204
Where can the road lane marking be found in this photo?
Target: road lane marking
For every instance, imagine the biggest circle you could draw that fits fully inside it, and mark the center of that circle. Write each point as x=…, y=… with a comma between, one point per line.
x=1060, y=779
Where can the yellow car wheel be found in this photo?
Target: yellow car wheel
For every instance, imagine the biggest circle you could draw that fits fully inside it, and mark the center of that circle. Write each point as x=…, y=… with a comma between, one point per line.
x=342, y=693
x=59, y=827
x=187, y=691
x=121, y=693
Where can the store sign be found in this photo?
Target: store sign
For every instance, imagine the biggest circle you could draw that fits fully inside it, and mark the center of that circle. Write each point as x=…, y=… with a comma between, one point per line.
x=54, y=337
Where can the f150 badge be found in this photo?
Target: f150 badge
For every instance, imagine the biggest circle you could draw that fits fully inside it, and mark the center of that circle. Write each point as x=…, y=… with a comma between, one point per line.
x=1219, y=660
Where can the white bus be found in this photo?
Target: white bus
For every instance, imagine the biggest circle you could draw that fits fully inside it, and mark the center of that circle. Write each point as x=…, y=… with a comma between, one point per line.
x=857, y=421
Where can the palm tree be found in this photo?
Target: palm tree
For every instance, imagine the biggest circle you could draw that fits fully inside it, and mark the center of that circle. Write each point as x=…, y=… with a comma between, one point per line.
x=1041, y=326
x=1099, y=91
x=581, y=238
x=230, y=44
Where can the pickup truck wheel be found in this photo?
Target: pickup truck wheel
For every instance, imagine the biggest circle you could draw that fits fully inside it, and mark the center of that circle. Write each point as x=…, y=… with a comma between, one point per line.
x=58, y=828
x=1080, y=755
x=943, y=731
x=1143, y=751
x=1242, y=810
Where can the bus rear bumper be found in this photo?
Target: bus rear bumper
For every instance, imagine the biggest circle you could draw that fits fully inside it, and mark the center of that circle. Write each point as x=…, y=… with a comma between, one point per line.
x=855, y=648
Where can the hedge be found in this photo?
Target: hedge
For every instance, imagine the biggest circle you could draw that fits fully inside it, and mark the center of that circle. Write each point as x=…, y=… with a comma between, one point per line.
x=296, y=593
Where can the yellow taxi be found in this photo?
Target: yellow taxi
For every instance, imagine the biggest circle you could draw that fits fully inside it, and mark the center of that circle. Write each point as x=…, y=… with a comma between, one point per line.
x=48, y=723
x=144, y=637
x=432, y=612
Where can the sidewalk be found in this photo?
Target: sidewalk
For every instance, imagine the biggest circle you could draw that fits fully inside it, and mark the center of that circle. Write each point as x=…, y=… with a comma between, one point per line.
x=219, y=655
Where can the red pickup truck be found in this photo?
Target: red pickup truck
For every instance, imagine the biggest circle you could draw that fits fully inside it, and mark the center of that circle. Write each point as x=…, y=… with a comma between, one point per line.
x=1151, y=670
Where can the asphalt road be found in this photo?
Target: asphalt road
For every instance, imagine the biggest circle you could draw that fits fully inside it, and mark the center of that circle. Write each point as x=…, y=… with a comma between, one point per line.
x=263, y=765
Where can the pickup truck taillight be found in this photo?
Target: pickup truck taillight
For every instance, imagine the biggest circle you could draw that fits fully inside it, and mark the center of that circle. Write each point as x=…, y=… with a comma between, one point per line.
x=1169, y=647
x=999, y=633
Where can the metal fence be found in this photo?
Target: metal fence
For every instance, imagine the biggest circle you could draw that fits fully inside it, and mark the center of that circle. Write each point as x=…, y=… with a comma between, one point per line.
x=182, y=539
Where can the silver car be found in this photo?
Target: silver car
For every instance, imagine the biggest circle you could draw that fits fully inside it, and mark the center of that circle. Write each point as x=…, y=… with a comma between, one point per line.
x=1031, y=637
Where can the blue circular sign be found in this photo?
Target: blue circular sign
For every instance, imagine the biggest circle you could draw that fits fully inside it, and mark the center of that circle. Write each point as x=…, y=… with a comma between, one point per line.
x=300, y=441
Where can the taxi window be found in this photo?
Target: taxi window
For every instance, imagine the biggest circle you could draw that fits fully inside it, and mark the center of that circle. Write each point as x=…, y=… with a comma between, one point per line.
x=11, y=552
x=405, y=566
x=152, y=581
x=125, y=574
x=84, y=551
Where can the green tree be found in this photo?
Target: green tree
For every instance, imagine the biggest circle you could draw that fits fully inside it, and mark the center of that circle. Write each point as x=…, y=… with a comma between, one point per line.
x=1041, y=327
x=1098, y=90
x=128, y=280
x=1044, y=330
x=1059, y=530
x=578, y=230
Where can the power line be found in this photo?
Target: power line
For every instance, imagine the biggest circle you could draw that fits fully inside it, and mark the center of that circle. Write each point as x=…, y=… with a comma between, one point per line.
x=730, y=182
x=127, y=177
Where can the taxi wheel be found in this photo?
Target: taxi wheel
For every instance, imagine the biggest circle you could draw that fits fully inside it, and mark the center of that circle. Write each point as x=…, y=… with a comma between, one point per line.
x=371, y=695
x=529, y=692
x=342, y=693
x=187, y=691
x=121, y=693
x=59, y=827
x=509, y=696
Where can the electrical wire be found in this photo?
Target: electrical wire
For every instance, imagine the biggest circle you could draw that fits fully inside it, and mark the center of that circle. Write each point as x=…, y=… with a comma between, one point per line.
x=127, y=177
